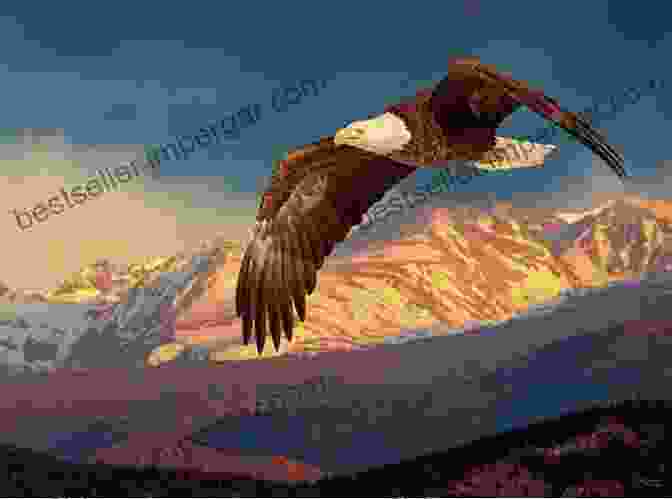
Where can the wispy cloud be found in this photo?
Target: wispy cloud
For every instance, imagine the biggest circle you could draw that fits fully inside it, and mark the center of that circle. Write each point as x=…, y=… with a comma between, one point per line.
x=146, y=217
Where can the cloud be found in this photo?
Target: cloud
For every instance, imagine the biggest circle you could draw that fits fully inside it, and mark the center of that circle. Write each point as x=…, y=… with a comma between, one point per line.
x=145, y=217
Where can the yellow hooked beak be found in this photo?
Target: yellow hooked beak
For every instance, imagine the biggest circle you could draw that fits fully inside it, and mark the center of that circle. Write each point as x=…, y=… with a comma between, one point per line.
x=348, y=136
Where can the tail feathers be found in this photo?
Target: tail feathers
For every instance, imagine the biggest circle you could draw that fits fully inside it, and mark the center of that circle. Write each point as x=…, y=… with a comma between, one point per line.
x=510, y=153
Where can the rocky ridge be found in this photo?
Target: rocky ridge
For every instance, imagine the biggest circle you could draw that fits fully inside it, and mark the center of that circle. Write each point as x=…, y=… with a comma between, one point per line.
x=138, y=313
x=470, y=268
x=464, y=269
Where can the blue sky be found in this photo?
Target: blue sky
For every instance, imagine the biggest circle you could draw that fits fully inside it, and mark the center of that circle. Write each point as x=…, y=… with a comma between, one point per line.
x=120, y=74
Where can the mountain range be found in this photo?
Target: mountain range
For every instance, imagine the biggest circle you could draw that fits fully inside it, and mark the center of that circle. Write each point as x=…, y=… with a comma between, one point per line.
x=452, y=268
x=500, y=282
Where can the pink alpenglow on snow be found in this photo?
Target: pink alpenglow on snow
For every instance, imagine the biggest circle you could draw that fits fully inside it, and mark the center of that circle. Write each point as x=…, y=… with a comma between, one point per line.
x=439, y=217
x=631, y=232
x=664, y=263
x=168, y=315
x=103, y=281
x=552, y=228
x=476, y=232
x=472, y=326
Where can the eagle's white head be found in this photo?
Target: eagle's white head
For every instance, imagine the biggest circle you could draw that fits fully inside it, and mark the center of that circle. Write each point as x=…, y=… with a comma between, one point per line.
x=382, y=135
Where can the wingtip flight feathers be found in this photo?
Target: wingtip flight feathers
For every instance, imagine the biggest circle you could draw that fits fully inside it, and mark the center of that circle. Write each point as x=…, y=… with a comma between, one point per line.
x=550, y=109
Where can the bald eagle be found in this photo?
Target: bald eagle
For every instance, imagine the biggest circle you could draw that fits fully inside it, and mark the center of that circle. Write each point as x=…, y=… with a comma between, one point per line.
x=320, y=191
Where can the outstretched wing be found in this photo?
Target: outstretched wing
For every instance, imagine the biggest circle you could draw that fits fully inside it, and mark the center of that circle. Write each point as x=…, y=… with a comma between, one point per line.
x=291, y=239
x=475, y=95
x=288, y=172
